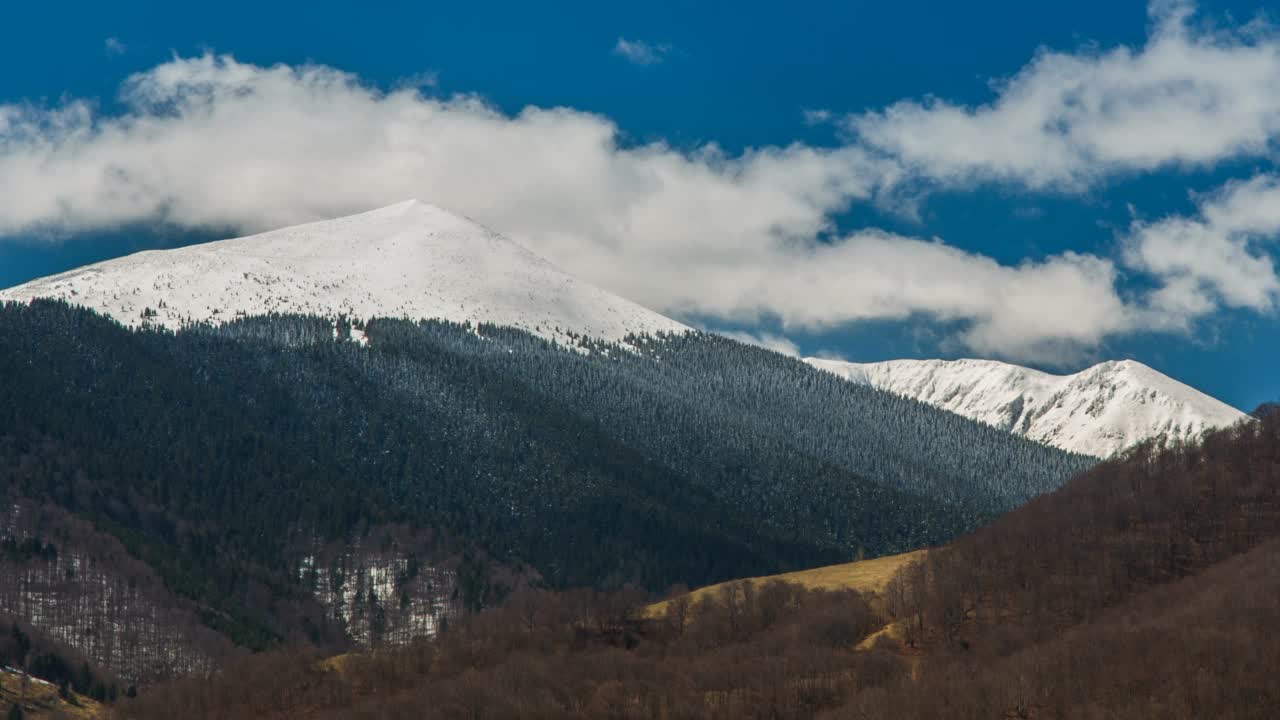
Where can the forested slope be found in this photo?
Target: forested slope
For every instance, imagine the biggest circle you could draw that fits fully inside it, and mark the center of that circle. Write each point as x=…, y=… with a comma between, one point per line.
x=225, y=457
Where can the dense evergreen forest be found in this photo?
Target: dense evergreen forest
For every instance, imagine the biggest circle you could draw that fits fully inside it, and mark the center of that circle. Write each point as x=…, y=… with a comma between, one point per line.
x=222, y=457
x=1144, y=588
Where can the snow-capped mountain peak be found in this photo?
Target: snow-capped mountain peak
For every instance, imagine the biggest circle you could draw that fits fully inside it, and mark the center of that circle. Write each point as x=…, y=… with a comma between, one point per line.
x=1098, y=411
x=410, y=259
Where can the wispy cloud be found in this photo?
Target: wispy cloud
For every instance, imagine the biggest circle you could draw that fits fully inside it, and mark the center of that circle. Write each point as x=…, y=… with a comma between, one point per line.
x=818, y=117
x=419, y=80
x=826, y=354
x=639, y=52
x=769, y=341
x=112, y=46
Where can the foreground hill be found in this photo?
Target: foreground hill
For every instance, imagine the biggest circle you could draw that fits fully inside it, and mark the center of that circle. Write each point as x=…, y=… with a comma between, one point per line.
x=279, y=484
x=1065, y=607
x=409, y=260
x=1098, y=411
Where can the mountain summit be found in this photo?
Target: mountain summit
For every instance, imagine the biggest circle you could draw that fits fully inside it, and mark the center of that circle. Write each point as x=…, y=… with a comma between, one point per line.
x=410, y=260
x=1098, y=411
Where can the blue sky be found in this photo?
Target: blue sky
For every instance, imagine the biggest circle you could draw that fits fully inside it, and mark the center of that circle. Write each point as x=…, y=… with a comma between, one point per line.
x=1104, y=238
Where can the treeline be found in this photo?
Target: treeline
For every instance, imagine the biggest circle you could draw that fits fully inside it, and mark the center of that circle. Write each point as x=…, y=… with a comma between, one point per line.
x=774, y=650
x=222, y=457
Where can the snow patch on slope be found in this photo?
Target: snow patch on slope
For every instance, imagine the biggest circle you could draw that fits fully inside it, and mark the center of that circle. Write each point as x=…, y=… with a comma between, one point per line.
x=1098, y=411
x=409, y=260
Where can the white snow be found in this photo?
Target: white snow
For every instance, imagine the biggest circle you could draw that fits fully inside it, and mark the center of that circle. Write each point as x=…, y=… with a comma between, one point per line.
x=1098, y=411
x=410, y=260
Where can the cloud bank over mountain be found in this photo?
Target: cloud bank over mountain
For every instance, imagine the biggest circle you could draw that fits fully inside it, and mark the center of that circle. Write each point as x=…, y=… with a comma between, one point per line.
x=210, y=141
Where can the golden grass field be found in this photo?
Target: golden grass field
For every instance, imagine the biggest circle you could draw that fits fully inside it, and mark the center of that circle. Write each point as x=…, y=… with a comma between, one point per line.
x=867, y=576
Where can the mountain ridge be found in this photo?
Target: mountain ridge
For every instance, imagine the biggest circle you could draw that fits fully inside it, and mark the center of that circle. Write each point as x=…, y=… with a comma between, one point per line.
x=414, y=260
x=1098, y=411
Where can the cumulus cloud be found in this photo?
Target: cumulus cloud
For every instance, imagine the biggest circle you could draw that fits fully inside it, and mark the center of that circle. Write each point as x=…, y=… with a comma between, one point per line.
x=210, y=141
x=1046, y=311
x=1190, y=97
x=639, y=52
x=1218, y=258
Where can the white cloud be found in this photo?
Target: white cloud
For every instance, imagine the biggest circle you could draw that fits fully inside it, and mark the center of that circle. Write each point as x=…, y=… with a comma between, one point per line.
x=112, y=46
x=1048, y=311
x=768, y=341
x=1189, y=97
x=209, y=141
x=1216, y=259
x=639, y=52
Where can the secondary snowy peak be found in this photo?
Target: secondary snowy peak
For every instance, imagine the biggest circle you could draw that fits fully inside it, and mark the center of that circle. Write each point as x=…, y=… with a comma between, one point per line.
x=1098, y=411
x=410, y=260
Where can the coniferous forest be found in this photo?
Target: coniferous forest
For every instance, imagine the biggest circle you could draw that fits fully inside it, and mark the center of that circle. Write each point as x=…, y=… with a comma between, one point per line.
x=271, y=482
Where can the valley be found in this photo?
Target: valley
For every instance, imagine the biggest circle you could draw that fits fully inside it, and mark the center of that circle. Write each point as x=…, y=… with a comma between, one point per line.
x=640, y=361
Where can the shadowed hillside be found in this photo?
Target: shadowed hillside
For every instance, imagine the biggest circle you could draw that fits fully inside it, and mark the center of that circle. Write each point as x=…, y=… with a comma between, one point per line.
x=281, y=484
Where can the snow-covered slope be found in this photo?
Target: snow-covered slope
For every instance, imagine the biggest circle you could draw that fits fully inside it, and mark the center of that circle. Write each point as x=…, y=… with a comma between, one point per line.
x=409, y=260
x=1098, y=411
